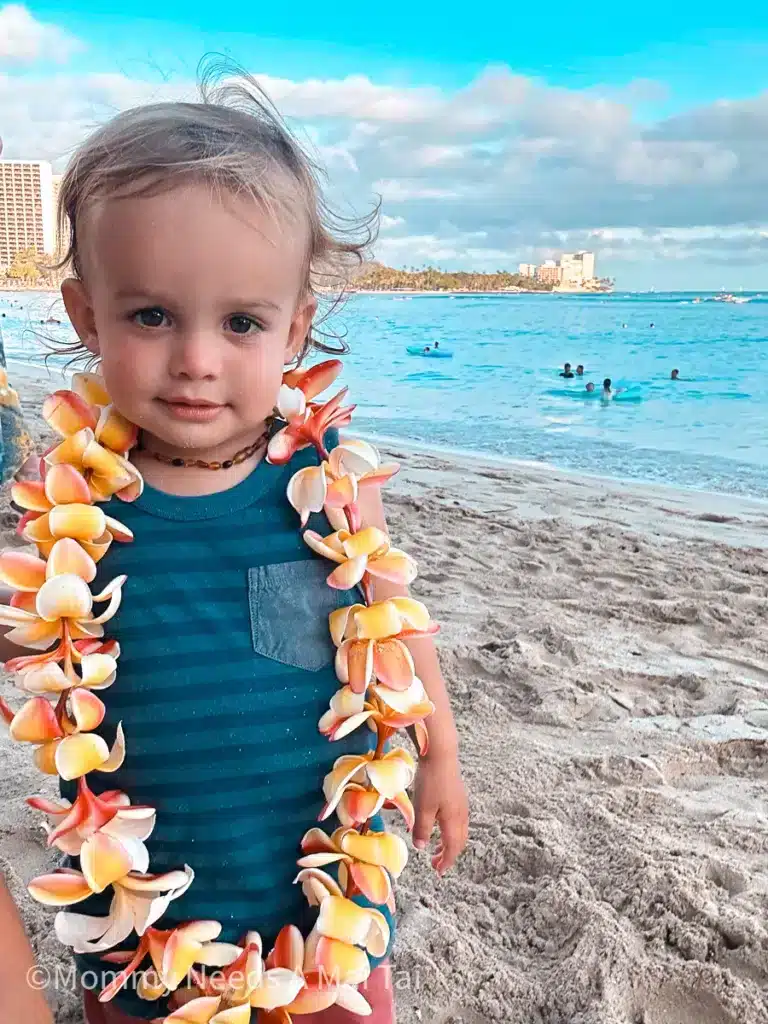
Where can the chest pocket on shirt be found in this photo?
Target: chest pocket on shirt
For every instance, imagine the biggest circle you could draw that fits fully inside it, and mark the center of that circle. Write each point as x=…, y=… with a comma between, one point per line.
x=289, y=604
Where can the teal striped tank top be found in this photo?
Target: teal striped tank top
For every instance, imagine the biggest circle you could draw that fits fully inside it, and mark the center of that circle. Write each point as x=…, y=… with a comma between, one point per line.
x=226, y=667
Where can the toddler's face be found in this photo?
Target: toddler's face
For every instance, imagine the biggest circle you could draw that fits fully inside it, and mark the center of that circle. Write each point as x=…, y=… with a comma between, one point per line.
x=194, y=304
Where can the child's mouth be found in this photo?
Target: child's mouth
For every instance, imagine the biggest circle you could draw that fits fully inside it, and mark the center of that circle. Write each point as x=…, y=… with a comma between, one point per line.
x=190, y=409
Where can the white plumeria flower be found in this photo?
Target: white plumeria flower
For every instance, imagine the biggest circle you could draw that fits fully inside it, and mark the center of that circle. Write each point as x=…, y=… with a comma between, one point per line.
x=291, y=403
x=138, y=902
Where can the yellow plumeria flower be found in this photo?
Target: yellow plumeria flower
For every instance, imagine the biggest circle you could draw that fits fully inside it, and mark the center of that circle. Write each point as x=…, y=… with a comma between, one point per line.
x=172, y=951
x=104, y=831
x=60, y=506
x=97, y=439
x=57, y=602
x=335, y=484
x=370, y=641
x=64, y=743
x=208, y=1010
x=367, y=551
x=245, y=978
x=370, y=860
x=380, y=707
x=341, y=919
x=241, y=980
x=97, y=672
x=387, y=777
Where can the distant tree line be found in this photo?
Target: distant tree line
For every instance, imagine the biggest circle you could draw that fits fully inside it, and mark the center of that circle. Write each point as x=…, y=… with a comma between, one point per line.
x=29, y=269
x=377, y=277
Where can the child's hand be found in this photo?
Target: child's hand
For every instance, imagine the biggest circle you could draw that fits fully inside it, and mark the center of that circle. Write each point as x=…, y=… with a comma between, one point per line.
x=440, y=795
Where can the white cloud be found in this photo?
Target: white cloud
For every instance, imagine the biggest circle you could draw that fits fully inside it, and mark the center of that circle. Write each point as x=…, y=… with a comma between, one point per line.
x=401, y=190
x=44, y=118
x=388, y=223
x=352, y=97
x=23, y=39
x=435, y=156
x=648, y=162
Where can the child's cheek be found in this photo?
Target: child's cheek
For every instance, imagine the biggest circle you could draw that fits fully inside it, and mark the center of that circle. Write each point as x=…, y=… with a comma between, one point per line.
x=129, y=375
x=257, y=377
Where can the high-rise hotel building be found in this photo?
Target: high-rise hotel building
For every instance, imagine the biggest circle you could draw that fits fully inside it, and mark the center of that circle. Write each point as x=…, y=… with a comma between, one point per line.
x=27, y=209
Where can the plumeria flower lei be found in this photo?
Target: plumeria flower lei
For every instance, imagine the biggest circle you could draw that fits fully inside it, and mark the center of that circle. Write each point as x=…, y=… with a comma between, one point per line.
x=52, y=611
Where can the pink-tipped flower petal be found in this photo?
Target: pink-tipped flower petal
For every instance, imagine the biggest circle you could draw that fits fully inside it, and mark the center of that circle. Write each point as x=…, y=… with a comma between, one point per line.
x=67, y=413
x=22, y=571
x=30, y=494
x=65, y=485
x=87, y=710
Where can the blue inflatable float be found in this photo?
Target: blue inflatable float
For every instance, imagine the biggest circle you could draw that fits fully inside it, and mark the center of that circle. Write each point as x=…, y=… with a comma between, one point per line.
x=631, y=394
x=434, y=353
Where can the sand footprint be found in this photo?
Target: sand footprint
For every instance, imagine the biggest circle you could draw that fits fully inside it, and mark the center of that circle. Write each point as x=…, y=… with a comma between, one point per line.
x=673, y=1005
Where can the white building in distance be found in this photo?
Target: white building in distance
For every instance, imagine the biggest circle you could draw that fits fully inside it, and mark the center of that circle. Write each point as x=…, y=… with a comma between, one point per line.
x=577, y=268
x=573, y=272
x=27, y=209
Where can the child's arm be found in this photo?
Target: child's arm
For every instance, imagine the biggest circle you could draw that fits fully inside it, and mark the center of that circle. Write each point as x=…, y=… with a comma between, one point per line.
x=440, y=792
x=19, y=1001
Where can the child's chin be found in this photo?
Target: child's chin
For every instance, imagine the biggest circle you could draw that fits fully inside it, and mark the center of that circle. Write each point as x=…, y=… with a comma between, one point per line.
x=179, y=433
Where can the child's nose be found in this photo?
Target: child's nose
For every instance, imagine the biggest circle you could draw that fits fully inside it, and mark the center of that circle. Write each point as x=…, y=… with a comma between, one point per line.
x=196, y=356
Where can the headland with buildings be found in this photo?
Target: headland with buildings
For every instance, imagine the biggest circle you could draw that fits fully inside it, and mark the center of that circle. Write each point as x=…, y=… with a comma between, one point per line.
x=573, y=272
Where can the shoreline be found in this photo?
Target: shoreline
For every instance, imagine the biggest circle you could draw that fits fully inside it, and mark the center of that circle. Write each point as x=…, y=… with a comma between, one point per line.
x=501, y=291
x=473, y=458
x=538, y=492
x=31, y=378
x=376, y=291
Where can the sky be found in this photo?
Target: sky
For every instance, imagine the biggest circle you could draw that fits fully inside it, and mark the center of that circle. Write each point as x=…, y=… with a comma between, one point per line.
x=492, y=135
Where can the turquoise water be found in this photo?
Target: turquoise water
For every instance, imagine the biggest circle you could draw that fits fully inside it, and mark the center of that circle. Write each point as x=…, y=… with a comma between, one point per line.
x=501, y=394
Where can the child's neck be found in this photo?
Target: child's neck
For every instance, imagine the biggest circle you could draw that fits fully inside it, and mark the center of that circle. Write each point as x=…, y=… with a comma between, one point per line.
x=189, y=480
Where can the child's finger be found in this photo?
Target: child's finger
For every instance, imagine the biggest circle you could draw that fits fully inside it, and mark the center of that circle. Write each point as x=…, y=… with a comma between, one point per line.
x=453, y=832
x=425, y=823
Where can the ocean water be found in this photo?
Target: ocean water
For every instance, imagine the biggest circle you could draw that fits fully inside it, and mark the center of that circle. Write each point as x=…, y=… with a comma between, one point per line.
x=500, y=394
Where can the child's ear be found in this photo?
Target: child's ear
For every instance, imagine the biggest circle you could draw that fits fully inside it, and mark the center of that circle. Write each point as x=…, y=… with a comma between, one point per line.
x=79, y=310
x=300, y=325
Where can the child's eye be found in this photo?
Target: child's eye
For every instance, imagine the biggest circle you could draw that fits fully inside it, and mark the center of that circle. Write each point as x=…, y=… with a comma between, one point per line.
x=242, y=324
x=150, y=317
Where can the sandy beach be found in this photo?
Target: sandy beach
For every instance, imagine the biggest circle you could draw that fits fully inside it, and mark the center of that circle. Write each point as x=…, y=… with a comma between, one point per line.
x=606, y=650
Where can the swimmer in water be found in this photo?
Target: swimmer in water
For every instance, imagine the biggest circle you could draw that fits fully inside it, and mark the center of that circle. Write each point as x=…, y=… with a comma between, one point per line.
x=437, y=345
x=580, y=370
x=623, y=325
x=675, y=375
x=590, y=387
x=426, y=350
x=653, y=325
x=608, y=391
x=567, y=372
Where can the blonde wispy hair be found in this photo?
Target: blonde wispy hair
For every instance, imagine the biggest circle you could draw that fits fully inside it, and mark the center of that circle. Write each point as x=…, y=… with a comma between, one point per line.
x=233, y=140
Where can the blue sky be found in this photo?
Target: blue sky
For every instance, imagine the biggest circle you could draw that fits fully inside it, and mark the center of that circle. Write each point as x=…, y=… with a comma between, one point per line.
x=493, y=135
